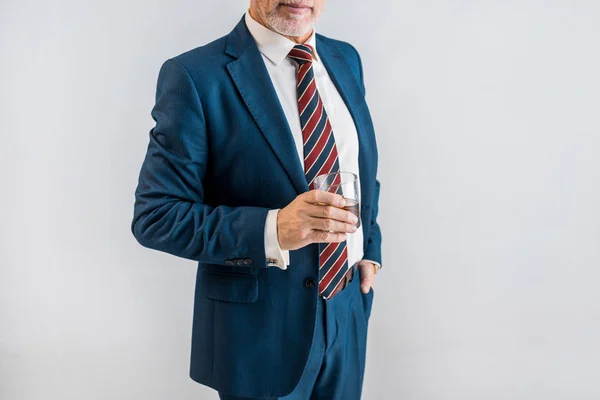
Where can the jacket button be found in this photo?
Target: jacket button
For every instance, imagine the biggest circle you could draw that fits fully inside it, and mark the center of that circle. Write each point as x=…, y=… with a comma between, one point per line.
x=239, y=261
x=310, y=283
x=228, y=262
x=247, y=261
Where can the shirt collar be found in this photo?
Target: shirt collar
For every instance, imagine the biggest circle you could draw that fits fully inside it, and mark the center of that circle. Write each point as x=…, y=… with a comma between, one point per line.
x=273, y=45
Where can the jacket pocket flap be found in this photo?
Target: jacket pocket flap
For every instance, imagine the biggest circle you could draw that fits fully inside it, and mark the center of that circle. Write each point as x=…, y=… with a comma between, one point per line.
x=229, y=287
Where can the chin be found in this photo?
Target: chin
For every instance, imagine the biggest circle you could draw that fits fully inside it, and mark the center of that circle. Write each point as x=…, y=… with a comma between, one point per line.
x=292, y=26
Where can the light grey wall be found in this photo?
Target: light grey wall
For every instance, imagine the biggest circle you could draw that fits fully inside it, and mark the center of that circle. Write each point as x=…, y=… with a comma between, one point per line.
x=488, y=121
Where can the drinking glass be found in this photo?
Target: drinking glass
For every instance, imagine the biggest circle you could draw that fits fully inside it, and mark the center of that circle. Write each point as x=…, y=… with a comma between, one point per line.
x=344, y=184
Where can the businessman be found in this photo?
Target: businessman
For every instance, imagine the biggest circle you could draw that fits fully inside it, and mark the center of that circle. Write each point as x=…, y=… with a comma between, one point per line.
x=243, y=126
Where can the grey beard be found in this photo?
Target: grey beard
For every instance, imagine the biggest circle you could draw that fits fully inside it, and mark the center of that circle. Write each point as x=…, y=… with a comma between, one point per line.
x=282, y=27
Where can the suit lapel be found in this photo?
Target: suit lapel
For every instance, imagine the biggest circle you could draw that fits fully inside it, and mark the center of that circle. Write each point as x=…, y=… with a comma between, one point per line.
x=254, y=85
x=340, y=73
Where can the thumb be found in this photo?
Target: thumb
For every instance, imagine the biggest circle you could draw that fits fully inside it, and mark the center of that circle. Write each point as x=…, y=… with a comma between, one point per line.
x=366, y=279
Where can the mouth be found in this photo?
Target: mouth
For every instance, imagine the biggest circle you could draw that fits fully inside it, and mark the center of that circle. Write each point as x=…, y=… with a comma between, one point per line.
x=296, y=7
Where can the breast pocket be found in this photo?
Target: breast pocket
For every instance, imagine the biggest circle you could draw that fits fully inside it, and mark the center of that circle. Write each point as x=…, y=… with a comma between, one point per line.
x=229, y=286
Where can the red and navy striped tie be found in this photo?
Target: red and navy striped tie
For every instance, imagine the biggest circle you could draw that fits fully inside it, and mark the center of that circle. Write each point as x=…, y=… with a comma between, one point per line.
x=320, y=157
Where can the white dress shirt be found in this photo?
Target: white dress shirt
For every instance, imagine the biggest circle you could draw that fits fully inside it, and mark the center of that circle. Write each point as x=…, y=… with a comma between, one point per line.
x=274, y=49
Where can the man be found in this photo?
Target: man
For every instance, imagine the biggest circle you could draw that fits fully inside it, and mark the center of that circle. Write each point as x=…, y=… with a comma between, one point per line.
x=243, y=126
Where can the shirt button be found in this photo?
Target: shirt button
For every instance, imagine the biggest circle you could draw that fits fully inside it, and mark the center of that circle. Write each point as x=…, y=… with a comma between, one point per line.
x=310, y=283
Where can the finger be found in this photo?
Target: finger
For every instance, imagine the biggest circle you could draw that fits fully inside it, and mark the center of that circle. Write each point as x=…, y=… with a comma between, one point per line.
x=367, y=279
x=318, y=236
x=332, y=225
x=325, y=198
x=331, y=212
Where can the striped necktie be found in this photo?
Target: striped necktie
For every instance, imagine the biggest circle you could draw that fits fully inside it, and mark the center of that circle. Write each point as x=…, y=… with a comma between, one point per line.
x=320, y=157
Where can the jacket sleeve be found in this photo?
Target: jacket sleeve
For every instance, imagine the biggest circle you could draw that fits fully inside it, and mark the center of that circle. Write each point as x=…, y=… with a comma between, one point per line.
x=169, y=212
x=373, y=248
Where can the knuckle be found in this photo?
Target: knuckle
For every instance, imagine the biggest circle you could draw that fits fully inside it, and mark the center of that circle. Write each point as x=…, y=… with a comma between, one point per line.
x=323, y=236
x=328, y=224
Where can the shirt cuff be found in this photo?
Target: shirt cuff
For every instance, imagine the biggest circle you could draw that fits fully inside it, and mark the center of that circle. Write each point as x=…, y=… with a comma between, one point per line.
x=374, y=262
x=276, y=257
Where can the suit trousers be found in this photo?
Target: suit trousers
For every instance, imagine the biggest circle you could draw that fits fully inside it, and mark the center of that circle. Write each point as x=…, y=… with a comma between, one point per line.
x=336, y=362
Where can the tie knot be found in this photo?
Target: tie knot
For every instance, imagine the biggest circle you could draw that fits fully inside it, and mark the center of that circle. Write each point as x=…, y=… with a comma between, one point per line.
x=301, y=53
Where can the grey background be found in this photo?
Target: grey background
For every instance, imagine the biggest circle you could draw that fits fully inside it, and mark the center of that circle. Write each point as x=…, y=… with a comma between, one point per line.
x=488, y=122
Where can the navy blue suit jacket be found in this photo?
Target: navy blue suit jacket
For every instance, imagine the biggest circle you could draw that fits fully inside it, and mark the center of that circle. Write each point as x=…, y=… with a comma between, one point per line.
x=220, y=156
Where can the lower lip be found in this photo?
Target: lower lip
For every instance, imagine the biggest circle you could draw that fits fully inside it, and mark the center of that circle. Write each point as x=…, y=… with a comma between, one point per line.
x=296, y=10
